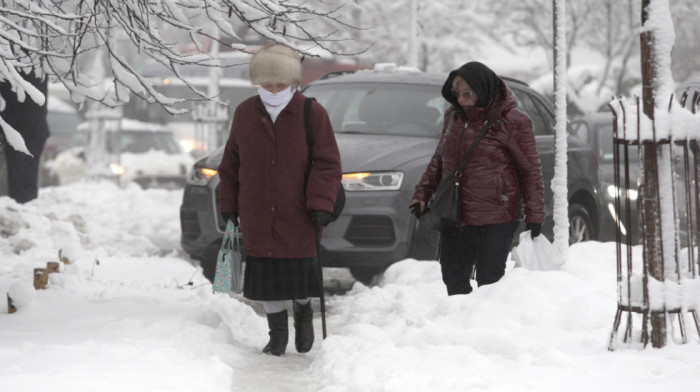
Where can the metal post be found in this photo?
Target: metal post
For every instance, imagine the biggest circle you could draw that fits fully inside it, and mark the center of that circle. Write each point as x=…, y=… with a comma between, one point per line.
x=320, y=282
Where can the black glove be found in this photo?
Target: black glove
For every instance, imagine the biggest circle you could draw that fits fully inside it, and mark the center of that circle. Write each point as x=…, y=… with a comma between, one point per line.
x=535, y=229
x=415, y=209
x=320, y=219
x=233, y=216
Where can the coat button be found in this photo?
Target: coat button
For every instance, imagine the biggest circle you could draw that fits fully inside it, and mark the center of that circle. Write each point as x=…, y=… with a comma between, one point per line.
x=272, y=209
x=273, y=161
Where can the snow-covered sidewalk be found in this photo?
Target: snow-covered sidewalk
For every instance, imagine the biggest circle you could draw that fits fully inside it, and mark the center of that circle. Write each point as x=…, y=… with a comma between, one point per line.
x=144, y=318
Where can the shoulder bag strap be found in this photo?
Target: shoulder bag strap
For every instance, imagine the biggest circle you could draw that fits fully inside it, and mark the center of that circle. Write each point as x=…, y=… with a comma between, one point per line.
x=483, y=131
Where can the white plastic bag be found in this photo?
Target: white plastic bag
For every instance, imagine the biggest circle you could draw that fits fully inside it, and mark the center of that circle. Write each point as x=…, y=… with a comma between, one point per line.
x=537, y=254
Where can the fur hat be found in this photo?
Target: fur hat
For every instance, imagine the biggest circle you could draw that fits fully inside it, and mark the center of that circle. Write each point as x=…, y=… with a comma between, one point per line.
x=276, y=63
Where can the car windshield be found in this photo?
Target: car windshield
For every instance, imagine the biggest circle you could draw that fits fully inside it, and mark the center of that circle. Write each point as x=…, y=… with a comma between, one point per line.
x=143, y=142
x=382, y=108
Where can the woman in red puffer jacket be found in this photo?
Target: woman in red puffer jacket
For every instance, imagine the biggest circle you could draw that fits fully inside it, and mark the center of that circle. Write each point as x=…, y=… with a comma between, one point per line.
x=501, y=184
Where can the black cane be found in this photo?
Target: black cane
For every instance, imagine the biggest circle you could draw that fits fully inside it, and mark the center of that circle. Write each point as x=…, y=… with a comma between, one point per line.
x=320, y=281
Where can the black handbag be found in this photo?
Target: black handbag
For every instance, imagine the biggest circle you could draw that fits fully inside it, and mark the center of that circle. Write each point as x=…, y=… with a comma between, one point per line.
x=340, y=196
x=442, y=211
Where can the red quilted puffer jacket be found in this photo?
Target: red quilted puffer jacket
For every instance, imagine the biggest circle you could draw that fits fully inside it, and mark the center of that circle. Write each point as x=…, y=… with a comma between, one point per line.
x=503, y=179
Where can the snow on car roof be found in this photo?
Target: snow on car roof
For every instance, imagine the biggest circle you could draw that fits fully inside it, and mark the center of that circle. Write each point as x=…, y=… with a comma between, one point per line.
x=127, y=124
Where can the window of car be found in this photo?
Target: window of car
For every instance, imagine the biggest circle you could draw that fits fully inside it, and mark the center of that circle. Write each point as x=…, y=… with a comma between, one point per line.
x=581, y=130
x=605, y=151
x=382, y=108
x=541, y=120
x=143, y=142
x=605, y=145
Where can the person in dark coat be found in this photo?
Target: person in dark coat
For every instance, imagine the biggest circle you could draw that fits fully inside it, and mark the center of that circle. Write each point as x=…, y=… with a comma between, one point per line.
x=501, y=183
x=264, y=185
x=29, y=119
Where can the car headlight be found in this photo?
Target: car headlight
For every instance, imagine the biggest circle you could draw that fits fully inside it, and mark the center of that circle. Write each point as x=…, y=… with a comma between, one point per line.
x=116, y=169
x=377, y=181
x=614, y=191
x=200, y=176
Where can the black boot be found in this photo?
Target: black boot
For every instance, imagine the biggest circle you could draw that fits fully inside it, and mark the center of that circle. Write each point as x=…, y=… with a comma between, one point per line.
x=279, y=333
x=304, y=328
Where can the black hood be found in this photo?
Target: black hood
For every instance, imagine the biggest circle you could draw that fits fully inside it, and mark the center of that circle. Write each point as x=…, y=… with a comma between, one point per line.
x=485, y=83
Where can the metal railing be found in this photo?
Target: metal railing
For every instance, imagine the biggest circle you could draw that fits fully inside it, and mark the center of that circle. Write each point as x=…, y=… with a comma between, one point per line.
x=675, y=141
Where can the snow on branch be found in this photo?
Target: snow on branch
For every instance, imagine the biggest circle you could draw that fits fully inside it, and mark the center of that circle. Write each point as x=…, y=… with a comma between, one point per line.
x=63, y=40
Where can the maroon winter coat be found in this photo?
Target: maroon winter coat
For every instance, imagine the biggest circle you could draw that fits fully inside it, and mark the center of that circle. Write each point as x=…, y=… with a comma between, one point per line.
x=262, y=177
x=504, y=173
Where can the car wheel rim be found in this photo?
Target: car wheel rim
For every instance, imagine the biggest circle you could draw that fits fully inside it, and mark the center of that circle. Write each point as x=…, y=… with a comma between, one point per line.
x=578, y=231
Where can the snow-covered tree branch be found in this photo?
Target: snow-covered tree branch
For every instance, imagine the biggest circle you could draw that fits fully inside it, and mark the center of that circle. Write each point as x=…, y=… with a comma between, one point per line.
x=59, y=38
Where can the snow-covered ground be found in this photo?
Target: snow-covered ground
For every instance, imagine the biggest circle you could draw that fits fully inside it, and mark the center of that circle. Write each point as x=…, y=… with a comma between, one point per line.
x=132, y=313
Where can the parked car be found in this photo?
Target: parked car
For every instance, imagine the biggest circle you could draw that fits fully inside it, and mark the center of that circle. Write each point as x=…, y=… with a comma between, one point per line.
x=596, y=129
x=148, y=154
x=234, y=87
x=387, y=126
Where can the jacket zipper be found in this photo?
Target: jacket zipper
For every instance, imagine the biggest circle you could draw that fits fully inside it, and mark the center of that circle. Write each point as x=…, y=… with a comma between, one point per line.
x=461, y=139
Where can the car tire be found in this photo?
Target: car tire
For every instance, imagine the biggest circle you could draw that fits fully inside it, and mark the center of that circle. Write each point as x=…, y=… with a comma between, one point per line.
x=580, y=224
x=365, y=275
x=425, y=242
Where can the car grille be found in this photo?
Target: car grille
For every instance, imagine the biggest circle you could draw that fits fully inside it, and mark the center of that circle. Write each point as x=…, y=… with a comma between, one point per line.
x=190, y=225
x=196, y=197
x=370, y=230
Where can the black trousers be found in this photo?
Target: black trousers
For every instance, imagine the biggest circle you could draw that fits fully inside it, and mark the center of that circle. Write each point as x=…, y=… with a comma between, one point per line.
x=484, y=247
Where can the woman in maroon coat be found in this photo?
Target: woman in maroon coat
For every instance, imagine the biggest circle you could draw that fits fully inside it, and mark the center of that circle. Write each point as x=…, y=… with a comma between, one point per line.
x=501, y=182
x=264, y=185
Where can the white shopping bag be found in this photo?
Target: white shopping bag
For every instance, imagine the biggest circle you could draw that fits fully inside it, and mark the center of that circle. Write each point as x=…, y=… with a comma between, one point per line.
x=537, y=254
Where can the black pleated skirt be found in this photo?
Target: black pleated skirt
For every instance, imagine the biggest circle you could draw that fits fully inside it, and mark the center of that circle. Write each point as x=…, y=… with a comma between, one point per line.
x=271, y=279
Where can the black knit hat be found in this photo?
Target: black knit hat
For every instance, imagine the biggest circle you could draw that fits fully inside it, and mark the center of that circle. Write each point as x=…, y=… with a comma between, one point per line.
x=482, y=80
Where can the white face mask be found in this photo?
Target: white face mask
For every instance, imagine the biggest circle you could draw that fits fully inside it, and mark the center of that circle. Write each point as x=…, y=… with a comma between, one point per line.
x=281, y=98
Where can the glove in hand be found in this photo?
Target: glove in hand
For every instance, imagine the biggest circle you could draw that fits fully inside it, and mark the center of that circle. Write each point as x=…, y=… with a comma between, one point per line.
x=415, y=209
x=535, y=229
x=231, y=216
x=320, y=219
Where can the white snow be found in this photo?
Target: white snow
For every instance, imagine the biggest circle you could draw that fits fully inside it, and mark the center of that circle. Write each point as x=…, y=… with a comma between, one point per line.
x=132, y=313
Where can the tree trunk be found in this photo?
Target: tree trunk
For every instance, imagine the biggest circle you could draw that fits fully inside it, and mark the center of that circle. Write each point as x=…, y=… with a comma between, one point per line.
x=652, y=235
